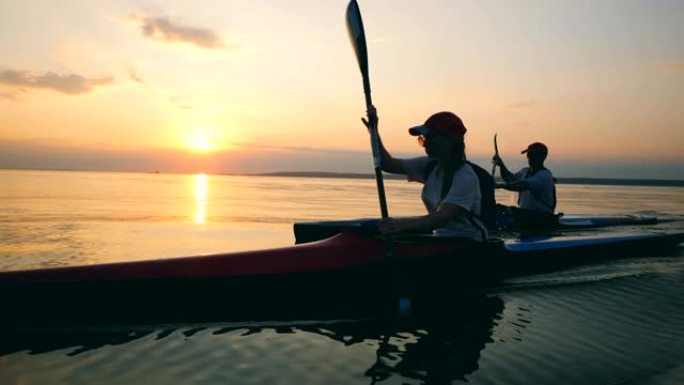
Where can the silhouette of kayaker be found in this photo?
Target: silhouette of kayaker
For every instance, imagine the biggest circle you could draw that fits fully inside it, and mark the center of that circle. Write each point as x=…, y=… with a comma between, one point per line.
x=451, y=192
x=536, y=189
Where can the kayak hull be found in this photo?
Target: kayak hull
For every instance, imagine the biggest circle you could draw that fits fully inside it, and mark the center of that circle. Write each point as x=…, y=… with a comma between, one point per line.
x=349, y=275
x=346, y=276
x=293, y=296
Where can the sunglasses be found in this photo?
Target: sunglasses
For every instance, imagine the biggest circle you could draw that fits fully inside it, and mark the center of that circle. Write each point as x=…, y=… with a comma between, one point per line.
x=423, y=140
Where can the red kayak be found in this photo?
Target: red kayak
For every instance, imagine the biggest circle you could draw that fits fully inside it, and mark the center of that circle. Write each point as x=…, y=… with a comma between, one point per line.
x=347, y=275
x=343, y=276
x=342, y=251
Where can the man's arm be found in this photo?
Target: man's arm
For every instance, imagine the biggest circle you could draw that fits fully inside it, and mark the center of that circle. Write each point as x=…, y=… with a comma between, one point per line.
x=504, y=172
x=519, y=185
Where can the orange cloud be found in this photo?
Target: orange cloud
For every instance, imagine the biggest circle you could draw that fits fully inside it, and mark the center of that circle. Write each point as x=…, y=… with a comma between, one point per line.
x=13, y=95
x=675, y=68
x=135, y=76
x=164, y=29
x=72, y=84
x=520, y=104
x=181, y=102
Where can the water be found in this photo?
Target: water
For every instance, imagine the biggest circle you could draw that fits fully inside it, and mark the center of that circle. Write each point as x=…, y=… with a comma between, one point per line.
x=615, y=322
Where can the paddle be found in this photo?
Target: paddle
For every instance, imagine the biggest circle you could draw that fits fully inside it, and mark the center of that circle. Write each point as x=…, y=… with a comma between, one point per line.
x=496, y=154
x=358, y=40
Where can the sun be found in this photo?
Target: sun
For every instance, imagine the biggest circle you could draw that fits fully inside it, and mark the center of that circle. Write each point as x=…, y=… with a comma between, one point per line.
x=200, y=142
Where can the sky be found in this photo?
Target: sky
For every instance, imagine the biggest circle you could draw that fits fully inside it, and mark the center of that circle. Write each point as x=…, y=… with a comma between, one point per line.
x=266, y=85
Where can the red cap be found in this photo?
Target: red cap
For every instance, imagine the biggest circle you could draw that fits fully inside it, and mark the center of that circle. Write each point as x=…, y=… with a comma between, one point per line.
x=442, y=122
x=536, y=148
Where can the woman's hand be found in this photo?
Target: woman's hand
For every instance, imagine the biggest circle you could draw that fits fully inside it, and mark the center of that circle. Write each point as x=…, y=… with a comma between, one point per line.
x=372, y=118
x=390, y=226
x=496, y=159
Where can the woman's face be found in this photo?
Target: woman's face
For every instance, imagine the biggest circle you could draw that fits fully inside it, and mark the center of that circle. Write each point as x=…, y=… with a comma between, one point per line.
x=437, y=145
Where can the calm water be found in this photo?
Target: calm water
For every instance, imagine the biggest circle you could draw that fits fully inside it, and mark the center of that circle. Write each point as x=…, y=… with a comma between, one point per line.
x=617, y=322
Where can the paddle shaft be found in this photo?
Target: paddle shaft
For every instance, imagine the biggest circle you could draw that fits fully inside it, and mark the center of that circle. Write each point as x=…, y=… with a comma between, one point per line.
x=358, y=40
x=377, y=155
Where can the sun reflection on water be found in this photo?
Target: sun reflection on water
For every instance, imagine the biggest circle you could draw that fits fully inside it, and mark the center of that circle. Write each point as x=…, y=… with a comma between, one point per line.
x=201, y=192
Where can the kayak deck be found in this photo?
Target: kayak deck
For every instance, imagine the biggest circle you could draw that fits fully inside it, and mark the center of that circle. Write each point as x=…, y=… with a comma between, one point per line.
x=593, y=221
x=316, y=230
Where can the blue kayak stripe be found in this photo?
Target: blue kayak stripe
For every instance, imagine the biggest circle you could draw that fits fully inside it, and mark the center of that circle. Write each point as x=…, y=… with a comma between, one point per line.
x=552, y=243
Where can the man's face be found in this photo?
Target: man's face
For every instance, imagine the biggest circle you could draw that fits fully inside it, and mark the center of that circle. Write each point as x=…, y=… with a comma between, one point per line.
x=534, y=159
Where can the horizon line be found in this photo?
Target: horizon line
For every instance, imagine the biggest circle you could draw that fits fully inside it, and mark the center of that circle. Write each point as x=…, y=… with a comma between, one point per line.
x=352, y=175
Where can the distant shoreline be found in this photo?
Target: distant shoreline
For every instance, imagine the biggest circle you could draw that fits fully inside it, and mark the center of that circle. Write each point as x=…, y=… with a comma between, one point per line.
x=346, y=175
x=570, y=180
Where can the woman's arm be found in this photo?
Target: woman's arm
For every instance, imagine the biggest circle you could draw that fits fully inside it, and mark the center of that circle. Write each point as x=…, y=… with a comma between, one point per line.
x=389, y=163
x=445, y=213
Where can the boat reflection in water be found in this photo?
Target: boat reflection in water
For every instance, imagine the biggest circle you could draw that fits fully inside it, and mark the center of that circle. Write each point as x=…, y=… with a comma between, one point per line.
x=434, y=346
x=441, y=347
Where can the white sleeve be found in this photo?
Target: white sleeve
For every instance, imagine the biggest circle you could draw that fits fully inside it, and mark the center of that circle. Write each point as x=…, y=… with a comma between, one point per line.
x=464, y=190
x=415, y=167
x=539, y=180
x=520, y=175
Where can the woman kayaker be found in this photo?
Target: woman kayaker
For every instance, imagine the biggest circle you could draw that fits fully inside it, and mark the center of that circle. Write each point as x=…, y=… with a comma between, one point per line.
x=451, y=192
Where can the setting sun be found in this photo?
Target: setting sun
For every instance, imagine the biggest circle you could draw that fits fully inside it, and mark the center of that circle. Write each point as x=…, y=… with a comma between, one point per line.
x=200, y=142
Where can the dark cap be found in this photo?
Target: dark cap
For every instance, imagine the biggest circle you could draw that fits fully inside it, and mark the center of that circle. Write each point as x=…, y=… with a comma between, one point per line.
x=536, y=148
x=443, y=123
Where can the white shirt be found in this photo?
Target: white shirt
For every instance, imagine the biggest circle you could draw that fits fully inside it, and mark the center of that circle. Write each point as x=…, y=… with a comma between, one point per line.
x=539, y=196
x=464, y=192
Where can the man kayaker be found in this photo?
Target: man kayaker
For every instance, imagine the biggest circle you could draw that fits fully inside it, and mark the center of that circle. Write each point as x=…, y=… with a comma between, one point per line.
x=451, y=190
x=535, y=186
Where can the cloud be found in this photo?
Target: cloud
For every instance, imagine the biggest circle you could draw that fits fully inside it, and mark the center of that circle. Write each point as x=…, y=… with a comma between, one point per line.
x=181, y=102
x=673, y=68
x=520, y=104
x=135, y=76
x=72, y=84
x=13, y=95
x=164, y=29
x=298, y=149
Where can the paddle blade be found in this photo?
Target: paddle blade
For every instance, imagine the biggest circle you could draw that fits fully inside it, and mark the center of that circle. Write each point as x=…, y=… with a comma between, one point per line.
x=496, y=153
x=357, y=36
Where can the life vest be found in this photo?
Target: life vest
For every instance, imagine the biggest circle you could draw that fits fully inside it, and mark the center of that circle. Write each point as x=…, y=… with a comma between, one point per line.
x=486, y=183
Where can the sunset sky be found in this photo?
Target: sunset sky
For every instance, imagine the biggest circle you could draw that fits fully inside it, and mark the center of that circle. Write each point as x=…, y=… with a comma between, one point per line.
x=270, y=85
